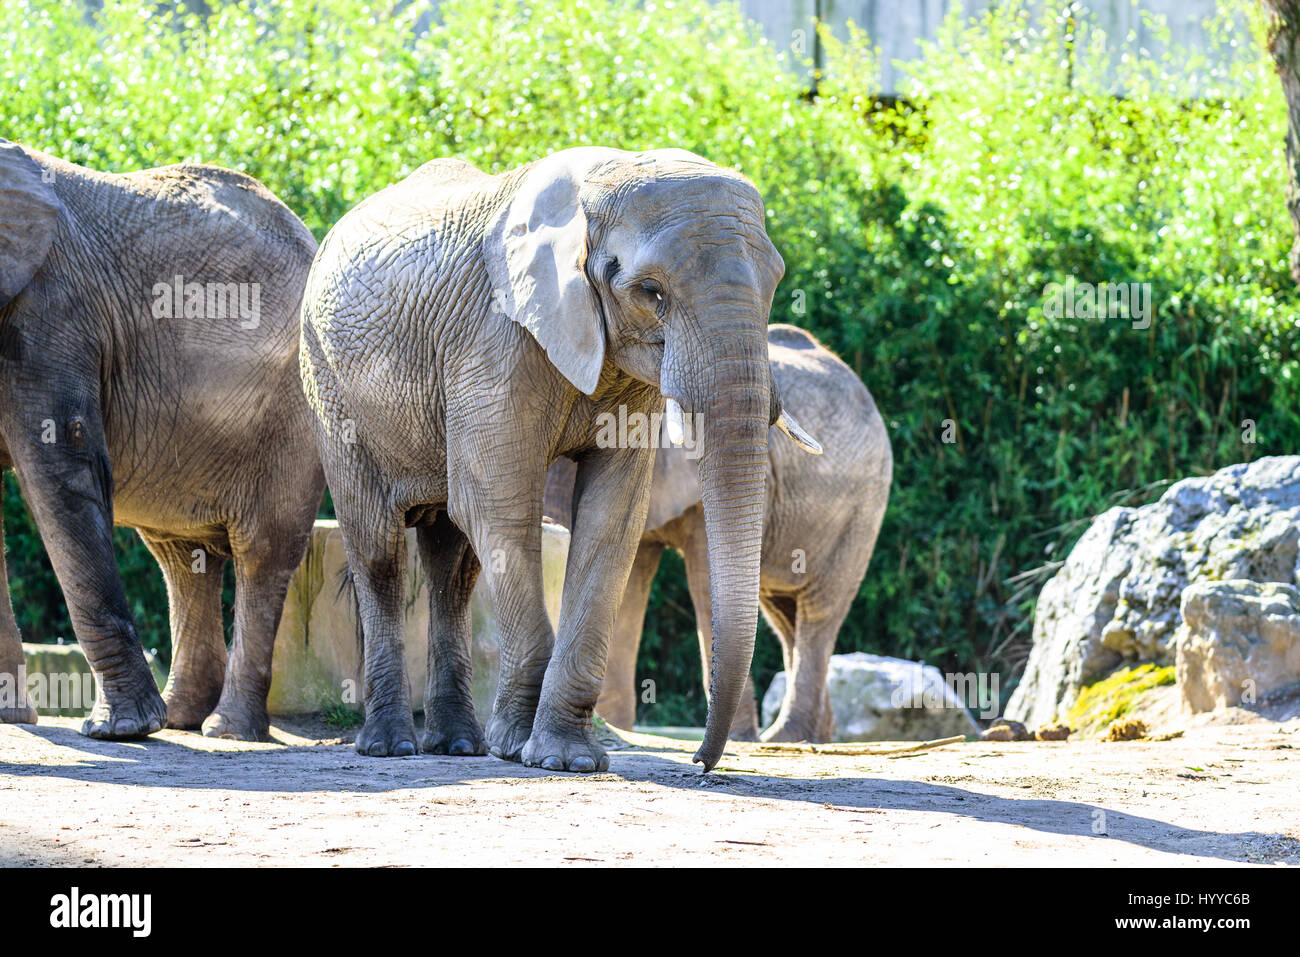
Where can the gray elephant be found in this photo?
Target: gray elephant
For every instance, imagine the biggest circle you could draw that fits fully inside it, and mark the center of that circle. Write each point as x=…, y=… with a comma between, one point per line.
x=460, y=332
x=148, y=378
x=823, y=516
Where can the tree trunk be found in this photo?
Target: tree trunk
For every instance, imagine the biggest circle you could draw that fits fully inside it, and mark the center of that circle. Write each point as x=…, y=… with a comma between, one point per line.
x=1284, y=46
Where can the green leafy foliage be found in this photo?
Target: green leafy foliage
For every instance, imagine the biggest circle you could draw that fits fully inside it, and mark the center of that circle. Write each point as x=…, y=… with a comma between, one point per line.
x=919, y=236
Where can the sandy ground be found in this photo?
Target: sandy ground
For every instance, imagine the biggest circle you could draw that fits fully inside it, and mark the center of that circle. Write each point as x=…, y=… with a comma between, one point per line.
x=1218, y=795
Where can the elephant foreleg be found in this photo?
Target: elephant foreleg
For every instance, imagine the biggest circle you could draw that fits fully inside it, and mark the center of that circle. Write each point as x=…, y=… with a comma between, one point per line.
x=263, y=569
x=193, y=577
x=68, y=486
x=15, y=705
x=512, y=571
x=618, y=693
x=450, y=571
x=611, y=494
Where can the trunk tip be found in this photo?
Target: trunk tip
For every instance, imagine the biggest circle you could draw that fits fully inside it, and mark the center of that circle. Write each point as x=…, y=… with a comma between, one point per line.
x=708, y=755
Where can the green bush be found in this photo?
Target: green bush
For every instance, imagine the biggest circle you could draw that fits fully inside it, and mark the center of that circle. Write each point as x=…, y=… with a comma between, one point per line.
x=919, y=236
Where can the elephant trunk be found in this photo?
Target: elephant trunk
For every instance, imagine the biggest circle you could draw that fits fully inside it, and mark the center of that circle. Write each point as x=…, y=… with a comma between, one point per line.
x=733, y=477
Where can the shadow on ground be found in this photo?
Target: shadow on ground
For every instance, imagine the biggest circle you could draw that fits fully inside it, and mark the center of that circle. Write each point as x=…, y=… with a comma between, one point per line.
x=153, y=763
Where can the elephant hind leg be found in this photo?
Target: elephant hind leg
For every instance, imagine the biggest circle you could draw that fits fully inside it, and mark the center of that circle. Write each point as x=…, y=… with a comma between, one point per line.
x=806, y=713
x=450, y=570
x=15, y=705
x=374, y=539
x=193, y=575
x=265, y=561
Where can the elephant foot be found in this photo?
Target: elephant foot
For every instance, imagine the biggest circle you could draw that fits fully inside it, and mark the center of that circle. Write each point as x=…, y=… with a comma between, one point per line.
x=133, y=718
x=507, y=735
x=458, y=737
x=24, y=715
x=388, y=734
x=238, y=725
x=573, y=749
x=183, y=714
x=787, y=732
x=746, y=733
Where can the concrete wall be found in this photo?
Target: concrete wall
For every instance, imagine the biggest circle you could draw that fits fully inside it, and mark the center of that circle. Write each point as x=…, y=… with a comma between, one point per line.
x=896, y=27
x=317, y=662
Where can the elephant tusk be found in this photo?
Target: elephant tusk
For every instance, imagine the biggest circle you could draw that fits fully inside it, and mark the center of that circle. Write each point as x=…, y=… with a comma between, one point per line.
x=790, y=427
x=673, y=422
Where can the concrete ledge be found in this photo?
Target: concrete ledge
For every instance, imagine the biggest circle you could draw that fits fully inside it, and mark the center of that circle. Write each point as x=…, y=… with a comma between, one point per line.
x=317, y=662
x=60, y=681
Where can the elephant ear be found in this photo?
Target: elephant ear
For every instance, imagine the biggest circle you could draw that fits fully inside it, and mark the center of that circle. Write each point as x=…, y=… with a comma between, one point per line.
x=536, y=251
x=29, y=212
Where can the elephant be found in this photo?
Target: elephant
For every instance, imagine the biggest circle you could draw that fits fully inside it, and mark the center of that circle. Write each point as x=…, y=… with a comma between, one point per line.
x=823, y=516
x=148, y=378
x=462, y=330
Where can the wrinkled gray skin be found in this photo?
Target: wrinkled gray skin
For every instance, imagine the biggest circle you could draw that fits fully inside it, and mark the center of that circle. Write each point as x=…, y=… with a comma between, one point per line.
x=461, y=331
x=192, y=430
x=823, y=515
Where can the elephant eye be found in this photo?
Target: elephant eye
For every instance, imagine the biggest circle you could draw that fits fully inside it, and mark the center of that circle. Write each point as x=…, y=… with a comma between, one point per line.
x=652, y=288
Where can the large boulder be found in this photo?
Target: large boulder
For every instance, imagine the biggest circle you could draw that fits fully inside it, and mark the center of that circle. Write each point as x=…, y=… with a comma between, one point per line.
x=1239, y=643
x=317, y=660
x=875, y=698
x=1118, y=596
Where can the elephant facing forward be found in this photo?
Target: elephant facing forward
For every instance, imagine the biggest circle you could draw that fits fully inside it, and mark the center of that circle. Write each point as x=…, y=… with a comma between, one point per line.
x=823, y=516
x=148, y=377
x=460, y=332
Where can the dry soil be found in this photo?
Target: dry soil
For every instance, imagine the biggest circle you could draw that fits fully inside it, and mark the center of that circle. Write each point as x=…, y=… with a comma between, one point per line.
x=1218, y=795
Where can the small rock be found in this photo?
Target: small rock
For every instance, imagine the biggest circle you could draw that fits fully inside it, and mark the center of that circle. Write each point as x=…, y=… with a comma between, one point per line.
x=1126, y=729
x=1053, y=732
x=1004, y=729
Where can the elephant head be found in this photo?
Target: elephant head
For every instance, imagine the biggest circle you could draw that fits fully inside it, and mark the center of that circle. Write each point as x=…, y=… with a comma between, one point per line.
x=657, y=265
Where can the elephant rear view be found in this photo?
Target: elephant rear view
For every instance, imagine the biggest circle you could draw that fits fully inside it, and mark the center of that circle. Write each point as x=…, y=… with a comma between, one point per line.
x=460, y=332
x=148, y=378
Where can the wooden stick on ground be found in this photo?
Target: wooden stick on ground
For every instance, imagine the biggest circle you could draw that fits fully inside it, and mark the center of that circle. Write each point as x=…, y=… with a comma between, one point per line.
x=884, y=749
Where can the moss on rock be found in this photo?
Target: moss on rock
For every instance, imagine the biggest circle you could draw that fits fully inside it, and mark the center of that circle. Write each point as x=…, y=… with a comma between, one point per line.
x=1107, y=700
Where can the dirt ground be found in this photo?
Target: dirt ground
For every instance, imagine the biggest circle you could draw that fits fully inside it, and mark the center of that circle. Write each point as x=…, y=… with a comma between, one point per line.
x=1218, y=795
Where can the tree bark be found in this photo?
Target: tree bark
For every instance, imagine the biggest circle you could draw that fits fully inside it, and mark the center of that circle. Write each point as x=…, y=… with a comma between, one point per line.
x=1284, y=46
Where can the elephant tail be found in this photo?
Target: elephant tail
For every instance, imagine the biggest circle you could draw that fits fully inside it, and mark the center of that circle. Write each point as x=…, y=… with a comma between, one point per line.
x=348, y=584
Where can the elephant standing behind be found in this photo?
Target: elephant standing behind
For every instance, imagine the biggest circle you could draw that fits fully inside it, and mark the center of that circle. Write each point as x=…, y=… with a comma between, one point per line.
x=149, y=378
x=823, y=516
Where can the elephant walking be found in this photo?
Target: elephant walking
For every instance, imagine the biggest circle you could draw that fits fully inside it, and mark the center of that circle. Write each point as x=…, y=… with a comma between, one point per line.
x=460, y=332
x=823, y=516
x=148, y=378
